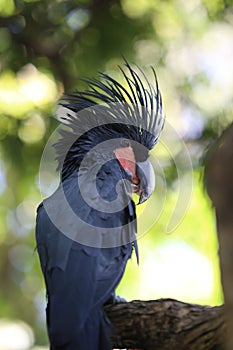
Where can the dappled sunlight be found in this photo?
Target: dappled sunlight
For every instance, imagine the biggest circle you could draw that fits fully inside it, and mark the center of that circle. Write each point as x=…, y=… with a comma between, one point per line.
x=21, y=258
x=21, y=220
x=15, y=335
x=78, y=19
x=135, y=9
x=33, y=129
x=21, y=93
x=7, y=7
x=176, y=270
x=36, y=86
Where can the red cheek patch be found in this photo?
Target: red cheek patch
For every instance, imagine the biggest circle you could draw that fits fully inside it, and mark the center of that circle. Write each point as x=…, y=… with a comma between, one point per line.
x=126, y=158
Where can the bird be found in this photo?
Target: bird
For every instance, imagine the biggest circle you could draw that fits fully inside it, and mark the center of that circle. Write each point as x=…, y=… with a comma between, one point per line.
x=86, y=230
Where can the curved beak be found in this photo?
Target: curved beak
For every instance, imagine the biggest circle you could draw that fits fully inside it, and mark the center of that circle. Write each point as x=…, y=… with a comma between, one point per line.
x=146, y=175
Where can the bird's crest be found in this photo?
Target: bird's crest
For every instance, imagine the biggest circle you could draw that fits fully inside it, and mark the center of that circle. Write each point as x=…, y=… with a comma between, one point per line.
x=109, y=110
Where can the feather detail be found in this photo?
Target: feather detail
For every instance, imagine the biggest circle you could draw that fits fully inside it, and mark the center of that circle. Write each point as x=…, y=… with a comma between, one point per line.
x=109, y=110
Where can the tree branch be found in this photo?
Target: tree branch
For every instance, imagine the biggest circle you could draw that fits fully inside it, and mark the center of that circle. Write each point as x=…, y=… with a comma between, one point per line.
x=219, y=184
x=166, y=324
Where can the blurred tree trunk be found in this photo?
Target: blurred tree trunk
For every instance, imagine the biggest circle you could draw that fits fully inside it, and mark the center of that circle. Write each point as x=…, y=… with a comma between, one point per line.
x=167, y=324
x=219, y=184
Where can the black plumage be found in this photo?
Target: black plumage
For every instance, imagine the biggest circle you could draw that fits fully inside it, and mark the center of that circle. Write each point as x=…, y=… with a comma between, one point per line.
x=111, y=111
x=87, y=229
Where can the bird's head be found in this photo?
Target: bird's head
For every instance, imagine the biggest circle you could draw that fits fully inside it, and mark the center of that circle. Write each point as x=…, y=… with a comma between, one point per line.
x=130, y=115
x=140, y=173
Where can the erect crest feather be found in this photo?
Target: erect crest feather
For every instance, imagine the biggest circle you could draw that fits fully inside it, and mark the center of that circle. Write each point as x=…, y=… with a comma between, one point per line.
x=109, y=109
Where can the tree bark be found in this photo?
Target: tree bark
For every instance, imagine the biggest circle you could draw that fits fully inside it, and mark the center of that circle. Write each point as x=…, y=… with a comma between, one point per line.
x=219, y=184
x=167, y=324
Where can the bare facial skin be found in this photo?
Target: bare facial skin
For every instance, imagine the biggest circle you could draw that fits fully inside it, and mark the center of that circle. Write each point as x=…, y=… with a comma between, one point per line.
x=126, y=157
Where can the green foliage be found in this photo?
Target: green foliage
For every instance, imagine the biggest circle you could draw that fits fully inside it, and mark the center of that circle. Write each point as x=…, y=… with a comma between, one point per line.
x=44, y=47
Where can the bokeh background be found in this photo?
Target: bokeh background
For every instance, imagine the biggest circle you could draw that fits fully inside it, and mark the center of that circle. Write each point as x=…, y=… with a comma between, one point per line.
x=44, y=47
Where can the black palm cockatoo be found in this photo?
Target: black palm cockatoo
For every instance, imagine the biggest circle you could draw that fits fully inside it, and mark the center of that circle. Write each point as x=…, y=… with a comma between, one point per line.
x=86, y=230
